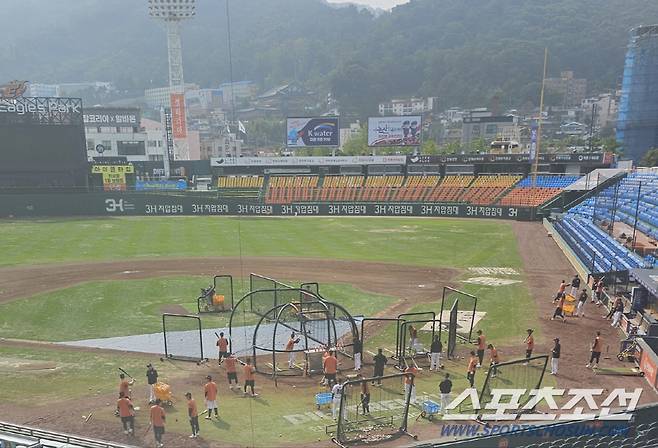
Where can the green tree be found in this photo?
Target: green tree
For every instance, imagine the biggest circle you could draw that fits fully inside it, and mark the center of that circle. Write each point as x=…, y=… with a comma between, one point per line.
x=357, y=145
x=451, y=148
x=479, y=144
x=429, y=147
x=650, y=158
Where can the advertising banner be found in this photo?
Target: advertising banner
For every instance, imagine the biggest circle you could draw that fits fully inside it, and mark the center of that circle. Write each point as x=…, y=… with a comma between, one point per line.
x=178, y=124
x=309, y=161
x=305, y=132
x=394, y=131
x=145, y=204
x=533, y=141
x=114, y=176
x=114, y=181
x=582, y=158
x=169, y=133
x=111, y=117
x=160, y=185
x=101, y=169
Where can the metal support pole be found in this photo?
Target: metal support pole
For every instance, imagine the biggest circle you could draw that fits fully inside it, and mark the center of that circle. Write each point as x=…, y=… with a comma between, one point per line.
x=637, y=212
x=613, y=213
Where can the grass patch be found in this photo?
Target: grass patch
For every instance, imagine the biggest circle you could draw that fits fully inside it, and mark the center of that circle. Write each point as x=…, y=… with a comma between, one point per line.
x=122, y=308
x=428, y=242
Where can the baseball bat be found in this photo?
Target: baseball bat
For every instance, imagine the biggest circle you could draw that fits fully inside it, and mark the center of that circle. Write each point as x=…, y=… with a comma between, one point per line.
x=216, y=335
x=126, y=373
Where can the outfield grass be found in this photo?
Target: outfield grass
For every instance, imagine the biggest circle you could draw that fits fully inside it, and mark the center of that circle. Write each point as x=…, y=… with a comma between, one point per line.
x=127, y=307
x=429, y=242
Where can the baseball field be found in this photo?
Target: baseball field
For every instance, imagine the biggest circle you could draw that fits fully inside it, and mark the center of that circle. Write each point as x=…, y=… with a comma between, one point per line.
x=66, y=280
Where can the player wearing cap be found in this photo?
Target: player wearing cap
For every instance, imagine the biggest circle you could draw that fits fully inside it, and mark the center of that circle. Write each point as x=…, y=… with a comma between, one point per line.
x=210, y=392
x=193, y=413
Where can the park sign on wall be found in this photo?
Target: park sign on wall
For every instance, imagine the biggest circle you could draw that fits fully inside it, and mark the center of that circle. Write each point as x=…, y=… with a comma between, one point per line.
x=40, y=111
x=312, y=132
x=395, y=131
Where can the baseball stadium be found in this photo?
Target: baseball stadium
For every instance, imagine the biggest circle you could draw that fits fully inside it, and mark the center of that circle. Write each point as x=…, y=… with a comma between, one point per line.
x=152, y=295
x=322, y=300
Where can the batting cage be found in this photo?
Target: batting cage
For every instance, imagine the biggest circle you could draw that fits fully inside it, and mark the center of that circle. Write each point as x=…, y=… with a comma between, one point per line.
x=416, y=332
x=371, y=330
x=525, y=374
x=311, y=287
x=183, y=338
x=372, y=410
x=292, y=338
x=218, y=297
x=466, y=312
x=267, y=318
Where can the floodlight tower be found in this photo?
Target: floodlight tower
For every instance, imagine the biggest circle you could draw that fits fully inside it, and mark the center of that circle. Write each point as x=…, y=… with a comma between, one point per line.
x=172, y=13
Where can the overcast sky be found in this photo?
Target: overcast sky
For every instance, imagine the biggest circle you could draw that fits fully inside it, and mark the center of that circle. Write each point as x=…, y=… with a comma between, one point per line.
x=384, y=4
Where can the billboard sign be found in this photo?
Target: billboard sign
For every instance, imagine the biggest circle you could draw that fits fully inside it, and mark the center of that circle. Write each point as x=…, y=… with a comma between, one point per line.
x=533, y=141
x=111, y=117
x=178, y=124
x=160, y=185
x=305, y=132
x=169, y=134
x=395, y=131
x=40, y=111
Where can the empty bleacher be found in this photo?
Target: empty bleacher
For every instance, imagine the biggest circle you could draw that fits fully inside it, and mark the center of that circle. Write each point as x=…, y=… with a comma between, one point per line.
x=637, y=194
x=240, y=187
x=289, y=189
x=379, y=188
x=339, y=188
x=596, y=249
x=232, y=182
x=450, y=189
x=415, y=188
x=533, y=194
x=485, y=189
x=621, y=200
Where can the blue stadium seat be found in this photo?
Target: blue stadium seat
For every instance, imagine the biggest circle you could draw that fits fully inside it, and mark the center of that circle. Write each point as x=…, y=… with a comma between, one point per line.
x=580, y=227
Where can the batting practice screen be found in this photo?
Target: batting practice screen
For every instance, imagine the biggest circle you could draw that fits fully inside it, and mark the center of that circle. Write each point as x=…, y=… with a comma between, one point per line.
x=372, y=409
x=182, y=337
x=519, y=374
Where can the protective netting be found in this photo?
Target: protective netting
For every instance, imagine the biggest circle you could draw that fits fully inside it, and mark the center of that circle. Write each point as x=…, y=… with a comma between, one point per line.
x=519, y=374
x=217, y=298
x=467, y=308
x=416, y=338
x=374, y=412
x=379, y=333
x=452, y=330
x=182, y=337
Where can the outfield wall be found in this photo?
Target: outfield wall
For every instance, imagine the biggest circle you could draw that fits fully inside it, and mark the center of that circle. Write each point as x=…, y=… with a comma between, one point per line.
x=136, y=204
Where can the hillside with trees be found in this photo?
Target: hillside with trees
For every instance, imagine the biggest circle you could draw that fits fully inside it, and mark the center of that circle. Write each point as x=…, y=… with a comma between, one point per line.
x=465, y=53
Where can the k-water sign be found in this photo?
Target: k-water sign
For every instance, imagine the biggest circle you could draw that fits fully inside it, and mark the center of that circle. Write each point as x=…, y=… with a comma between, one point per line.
x=304, y=132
